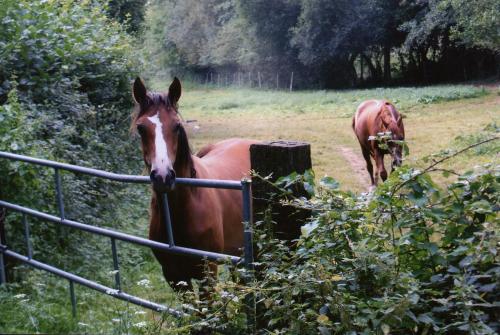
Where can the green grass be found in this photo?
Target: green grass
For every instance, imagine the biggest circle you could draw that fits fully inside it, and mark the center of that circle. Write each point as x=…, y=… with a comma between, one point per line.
x=434, y=118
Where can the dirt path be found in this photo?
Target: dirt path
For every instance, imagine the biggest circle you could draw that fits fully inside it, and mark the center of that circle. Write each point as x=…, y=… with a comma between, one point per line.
x=358, y=165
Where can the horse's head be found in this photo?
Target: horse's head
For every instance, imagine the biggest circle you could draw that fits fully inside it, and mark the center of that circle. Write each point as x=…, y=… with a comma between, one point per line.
x=158, y=123
x=393, y=122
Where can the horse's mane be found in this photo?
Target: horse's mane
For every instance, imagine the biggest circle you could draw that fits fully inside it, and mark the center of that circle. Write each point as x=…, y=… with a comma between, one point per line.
x=184, y=157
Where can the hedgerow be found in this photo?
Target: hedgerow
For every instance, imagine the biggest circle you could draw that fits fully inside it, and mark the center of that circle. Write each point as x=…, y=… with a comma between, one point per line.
x=410, y=258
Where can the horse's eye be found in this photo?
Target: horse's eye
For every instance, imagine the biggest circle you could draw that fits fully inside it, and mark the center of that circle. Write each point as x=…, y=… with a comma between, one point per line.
x=141, y=129
x=177, y=127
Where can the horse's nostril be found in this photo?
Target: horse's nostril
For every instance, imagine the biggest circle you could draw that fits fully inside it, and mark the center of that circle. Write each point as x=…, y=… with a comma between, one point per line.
x=155, y=177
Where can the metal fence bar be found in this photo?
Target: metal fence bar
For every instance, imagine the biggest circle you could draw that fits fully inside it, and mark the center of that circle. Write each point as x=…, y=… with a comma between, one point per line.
x=72, y=297
x=244, y=186
x=59, y=195
x=116, y=266
x=166, y=219
x=209, y=183
x=95, y=286
x=27, y=236
x=124, y=237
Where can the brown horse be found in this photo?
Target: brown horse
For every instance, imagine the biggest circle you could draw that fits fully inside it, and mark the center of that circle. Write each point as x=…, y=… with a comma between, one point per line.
x=373, y=117
x=202, y=218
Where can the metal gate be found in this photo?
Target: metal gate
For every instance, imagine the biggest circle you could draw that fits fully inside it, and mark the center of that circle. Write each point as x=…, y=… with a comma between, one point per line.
x=247, y=260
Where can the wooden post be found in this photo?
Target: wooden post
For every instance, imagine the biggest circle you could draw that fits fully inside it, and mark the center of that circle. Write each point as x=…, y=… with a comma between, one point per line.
x=277, y=80
x=279, y=158
x=291, y=82
x=218, y=79
x=258, y=75
x=250, y=79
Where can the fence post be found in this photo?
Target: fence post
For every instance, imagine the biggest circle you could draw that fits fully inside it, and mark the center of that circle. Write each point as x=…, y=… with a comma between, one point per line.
x=59, y=195
x=2, y=267
x=277, y=80
x=3, y=245
x=73, y=298
x=166, y=219
x=27, y=236
x=280, y=158
x=258, y=75
x=116, y=266
x=248, y=250
x=291, y=82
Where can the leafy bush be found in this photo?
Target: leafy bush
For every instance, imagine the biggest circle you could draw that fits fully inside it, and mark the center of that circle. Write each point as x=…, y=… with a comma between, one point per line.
x=409, y=259
x=454, y=94
x=65, y=95
x=53, y=47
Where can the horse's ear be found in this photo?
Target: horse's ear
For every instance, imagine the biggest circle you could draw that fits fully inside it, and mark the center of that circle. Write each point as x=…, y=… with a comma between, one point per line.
x=139, y=92
x=400, y=119
x=174, y=91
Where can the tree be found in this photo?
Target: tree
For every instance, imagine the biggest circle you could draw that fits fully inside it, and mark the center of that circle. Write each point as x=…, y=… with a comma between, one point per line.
x=478, y=23
x=128, y=12
x=268, y=25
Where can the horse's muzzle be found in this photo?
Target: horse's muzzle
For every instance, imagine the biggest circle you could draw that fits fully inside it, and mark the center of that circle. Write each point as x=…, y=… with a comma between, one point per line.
x=163, y=184
x=396, y=163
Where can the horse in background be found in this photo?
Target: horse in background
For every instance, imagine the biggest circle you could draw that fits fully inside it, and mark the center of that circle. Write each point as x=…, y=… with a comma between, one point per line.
x=371, y=118
x=202, y=218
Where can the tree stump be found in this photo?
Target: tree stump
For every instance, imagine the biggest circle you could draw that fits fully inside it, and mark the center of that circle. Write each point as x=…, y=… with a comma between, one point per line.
x=279, y=158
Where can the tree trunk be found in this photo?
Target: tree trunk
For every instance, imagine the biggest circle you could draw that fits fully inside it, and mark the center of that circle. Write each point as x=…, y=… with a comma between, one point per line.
x=387, y=64
x=371, y=67
x=361, y=69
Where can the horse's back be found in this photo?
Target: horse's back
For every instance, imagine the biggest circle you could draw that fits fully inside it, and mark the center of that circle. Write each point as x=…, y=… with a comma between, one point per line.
x=227, y=159
x=367, y=111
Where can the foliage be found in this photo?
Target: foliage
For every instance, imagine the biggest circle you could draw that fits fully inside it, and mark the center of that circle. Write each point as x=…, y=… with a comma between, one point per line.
x=410, y=259
x=53, y=47
x=325, y=43
x=129, y=12
x=477, y=23
x=65, y=96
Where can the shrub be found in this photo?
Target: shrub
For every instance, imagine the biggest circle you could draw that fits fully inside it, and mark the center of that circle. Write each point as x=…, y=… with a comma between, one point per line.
x=409, y=259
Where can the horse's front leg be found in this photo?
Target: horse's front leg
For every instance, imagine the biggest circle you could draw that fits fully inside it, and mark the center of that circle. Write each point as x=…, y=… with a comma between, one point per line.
x=369, y=166
x=379, y=161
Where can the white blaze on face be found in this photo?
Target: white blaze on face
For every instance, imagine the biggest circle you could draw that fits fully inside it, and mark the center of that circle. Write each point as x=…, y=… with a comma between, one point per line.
x=161, y=163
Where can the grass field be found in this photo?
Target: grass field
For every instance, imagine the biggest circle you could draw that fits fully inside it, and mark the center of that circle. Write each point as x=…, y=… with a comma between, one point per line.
x=434, y=117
